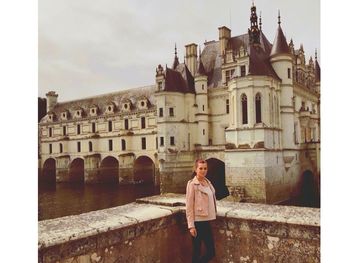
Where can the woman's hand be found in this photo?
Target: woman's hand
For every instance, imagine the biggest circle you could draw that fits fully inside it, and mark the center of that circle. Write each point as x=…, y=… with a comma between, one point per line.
x=193, y=232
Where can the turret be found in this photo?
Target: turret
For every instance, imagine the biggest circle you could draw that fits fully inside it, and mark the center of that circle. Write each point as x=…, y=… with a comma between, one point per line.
x=201, y=83
x=317, y=73
x=282, y=62
x=51, y=98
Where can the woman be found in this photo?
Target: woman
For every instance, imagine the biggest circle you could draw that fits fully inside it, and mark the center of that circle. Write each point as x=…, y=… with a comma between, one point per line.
x=200, y=209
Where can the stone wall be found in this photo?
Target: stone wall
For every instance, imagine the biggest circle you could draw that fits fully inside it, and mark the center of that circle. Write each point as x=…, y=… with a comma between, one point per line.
x=154, y=230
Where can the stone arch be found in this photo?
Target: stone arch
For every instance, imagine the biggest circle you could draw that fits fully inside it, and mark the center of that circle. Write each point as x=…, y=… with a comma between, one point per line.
x=307, y=190
x=109, y=170
x=76, y=171
x=144, y=170
x=216, y=175
x=49, y=171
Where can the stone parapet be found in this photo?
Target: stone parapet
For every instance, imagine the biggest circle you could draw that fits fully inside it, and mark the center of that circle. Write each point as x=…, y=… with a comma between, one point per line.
x=154, y=229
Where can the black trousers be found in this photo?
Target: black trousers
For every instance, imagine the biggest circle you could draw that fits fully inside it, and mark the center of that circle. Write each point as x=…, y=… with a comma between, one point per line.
x=204, y=234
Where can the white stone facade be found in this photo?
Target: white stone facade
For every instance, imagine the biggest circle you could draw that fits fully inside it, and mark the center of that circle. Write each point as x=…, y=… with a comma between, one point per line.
x=251, y=105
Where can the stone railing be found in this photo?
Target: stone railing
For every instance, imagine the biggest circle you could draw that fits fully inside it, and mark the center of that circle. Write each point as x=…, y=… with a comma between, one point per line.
x=154, y=230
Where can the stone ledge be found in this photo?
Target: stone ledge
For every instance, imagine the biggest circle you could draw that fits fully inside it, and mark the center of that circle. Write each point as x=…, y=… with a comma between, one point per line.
x=64, y=229
x=60, y=230
x=268, y=213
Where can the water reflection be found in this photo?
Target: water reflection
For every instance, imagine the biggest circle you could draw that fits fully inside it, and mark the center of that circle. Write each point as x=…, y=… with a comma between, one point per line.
x=71, y=199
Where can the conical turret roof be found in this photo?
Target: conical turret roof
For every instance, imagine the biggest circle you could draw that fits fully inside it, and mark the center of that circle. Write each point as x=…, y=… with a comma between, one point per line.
x=317, y=72
x=280, y=45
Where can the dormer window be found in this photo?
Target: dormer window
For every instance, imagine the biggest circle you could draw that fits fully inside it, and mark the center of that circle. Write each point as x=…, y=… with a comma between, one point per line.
x=142, y=103
x=78, y=113
x=64, y=115
x=93, y=110
x=50, y=116
x=126, y=105
x=110, y=108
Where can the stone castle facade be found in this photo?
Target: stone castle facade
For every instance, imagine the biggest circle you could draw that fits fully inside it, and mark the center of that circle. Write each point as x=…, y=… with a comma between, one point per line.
x=249, y=107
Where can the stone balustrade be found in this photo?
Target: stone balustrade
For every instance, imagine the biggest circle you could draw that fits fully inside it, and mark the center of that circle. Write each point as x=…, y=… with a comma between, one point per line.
x=154, y=229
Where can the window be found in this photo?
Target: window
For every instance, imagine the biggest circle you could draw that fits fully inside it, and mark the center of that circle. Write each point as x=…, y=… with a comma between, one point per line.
x=172, y=140
x=126, y=124
x=159, y=85
x=243, y=71
x=244, y=109
x=227, y=106
x=227, y=76
x=161, y=141
x=93, y=127
x=160, y=112
x=203, y=107
x=203, y=131
x=61, y=148
x=90, y=146
x=258, y=108
x=110, y=126
x=123, y=145
x=78, y=147
x=110, y=145
x=50, y=148
x=64, y=130
x=143, y=143
x=156, y=142
x=78, y=129
x=171, y=112
x=289, y=73
x=202, y=86
x=143, y=122
x=50, y=132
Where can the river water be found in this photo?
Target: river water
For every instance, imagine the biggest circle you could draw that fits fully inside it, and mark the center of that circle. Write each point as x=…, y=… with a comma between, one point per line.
x=71, y=199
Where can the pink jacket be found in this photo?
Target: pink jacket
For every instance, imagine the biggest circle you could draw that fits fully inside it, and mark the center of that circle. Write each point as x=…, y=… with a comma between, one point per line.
x=197, y=201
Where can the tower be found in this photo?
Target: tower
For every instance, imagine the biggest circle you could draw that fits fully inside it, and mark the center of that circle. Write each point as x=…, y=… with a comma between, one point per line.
x=282, y=62
x=201, y=87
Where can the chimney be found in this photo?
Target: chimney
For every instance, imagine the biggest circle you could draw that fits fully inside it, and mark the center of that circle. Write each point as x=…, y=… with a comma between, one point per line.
x=51, y=98
x=224, y=36
x=191, y=58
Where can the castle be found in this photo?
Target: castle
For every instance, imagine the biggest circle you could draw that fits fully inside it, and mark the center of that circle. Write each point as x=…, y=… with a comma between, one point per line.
x=249, y=107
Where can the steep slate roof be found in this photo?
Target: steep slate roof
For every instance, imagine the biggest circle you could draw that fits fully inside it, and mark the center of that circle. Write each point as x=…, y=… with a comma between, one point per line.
x=200, y=68
x=179, y=80
x=317, y=72
x=101, y=101
x=259, y=63
x=212, y=63
x=280, y=45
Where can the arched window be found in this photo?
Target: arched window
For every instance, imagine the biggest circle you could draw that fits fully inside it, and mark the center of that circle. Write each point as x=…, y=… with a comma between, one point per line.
x=258, y=108
x=244, y=109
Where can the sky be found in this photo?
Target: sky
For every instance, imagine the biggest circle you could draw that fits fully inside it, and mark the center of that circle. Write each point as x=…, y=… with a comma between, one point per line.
x=89, y=47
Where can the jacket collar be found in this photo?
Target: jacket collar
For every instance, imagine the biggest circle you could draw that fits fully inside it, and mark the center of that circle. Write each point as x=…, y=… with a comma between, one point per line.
x=195, y=180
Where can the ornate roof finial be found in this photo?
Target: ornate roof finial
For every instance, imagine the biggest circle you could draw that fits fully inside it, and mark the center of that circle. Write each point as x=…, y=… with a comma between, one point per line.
x=176, y=59
x=253, y=31
x=316, y=54
x=260, y=22
x=279, y=17
x=252, y=2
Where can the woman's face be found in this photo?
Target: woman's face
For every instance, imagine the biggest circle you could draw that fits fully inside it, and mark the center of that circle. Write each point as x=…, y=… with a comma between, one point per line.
x=201, y=170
